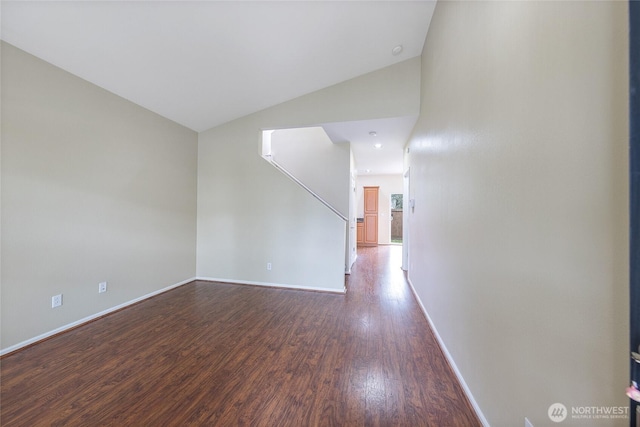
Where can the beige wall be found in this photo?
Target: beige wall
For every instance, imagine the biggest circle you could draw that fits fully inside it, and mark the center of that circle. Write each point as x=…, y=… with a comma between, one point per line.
x=310, y=156
x=323, y=167
x=519, y=173
x=249, y=214
x=94, y=188
x=389, y=184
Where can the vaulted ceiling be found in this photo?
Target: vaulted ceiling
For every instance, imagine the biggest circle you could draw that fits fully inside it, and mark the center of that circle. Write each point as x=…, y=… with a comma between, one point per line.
x=203, y=63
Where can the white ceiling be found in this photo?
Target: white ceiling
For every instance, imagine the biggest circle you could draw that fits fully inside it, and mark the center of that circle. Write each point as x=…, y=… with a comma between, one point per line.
x=392, y=133
x=203, y=63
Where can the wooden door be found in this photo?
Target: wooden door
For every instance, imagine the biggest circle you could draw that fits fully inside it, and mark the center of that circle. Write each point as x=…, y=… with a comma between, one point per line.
x=370, y=216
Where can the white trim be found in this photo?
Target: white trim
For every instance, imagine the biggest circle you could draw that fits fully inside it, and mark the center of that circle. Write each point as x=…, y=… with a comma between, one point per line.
x=465, y=388
x=89, y=318
x=348, y=270
x=272, y=285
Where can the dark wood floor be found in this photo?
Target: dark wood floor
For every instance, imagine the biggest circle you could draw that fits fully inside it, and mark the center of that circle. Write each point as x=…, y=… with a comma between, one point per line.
x=212, y=354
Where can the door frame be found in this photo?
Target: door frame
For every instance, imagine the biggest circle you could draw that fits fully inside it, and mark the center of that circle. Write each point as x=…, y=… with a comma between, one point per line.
x=405, y=218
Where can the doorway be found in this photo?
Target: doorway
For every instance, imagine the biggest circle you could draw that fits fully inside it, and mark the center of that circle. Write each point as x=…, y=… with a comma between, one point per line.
x=396, y=218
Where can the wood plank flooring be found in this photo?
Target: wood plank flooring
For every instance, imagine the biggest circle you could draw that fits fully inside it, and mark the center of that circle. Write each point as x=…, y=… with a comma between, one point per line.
x=211, y=354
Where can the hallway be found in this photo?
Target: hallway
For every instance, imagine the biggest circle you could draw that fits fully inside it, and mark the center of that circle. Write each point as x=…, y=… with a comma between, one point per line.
x=226, y=355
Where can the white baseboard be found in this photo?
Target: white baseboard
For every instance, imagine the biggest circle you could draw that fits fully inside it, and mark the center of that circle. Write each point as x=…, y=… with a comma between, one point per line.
x=89, y=318
x=465, y=388
x=272, y=285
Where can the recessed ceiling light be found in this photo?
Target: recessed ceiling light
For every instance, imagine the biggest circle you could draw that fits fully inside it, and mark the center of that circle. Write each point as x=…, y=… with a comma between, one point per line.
x=377, y=146
x=397, y=50
x=373, y=133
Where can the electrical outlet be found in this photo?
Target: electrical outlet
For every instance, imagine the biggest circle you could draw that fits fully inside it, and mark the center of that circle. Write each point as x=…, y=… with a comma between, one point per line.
x=269, y=266
x=527, y=423
x=56, y=301
x=102, y=287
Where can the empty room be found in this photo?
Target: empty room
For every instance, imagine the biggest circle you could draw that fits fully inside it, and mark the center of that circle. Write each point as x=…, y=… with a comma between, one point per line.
x=196, y=213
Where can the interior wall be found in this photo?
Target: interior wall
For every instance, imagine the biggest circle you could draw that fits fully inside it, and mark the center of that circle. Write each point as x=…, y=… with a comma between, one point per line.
x=249, y=214
x=519, y=163
x=310, y=156
x=389, y=184
x=256, y=216
x=94, y=188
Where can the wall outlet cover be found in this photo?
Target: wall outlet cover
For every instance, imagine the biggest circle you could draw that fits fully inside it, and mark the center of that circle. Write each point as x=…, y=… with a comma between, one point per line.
x=56, y=301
